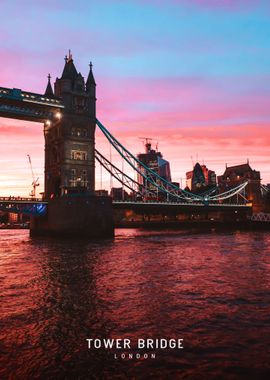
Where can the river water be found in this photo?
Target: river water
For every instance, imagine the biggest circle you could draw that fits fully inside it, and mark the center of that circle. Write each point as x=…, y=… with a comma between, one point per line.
x=212, y=290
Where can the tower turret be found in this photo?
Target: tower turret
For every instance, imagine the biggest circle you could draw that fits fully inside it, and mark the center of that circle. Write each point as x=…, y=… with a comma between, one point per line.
x=69, y=71
x=90, y=83
x=66, y=82
x=49, y=90
x=91, y=90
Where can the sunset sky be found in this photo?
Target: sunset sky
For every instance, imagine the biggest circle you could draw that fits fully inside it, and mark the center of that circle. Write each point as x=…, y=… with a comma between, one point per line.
x=193, y=75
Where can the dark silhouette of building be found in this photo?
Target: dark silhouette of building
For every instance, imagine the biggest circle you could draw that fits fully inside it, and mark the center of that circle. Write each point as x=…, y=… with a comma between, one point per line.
x=155, y=161
x=119, y=194
x=69, y=139
x=102, y=193
x=200, y=178
x=235, y=175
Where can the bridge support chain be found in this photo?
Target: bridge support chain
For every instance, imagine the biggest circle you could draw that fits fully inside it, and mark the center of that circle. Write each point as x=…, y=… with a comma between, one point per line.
x=151, y=176
x=125, y=180
x=170, y=190
x=78, y=216
x=119, y=175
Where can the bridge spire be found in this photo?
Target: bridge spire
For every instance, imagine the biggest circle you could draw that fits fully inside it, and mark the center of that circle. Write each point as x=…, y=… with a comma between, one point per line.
x=69, y=56
x=69, y=71
x=90, y=80
x=49, y=90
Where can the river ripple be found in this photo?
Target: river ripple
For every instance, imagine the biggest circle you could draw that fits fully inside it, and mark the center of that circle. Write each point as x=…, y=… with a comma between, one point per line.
x=211, y=289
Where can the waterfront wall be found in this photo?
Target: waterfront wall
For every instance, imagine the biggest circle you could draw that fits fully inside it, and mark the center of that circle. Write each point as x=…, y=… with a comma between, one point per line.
x=71, y=216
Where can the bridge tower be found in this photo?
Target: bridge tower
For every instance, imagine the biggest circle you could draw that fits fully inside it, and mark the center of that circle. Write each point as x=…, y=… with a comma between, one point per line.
x=73, y=208
x=69, y=138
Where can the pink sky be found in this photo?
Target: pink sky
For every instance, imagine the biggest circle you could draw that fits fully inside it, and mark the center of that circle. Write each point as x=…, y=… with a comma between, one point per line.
x=175, y=113
x=192, y=75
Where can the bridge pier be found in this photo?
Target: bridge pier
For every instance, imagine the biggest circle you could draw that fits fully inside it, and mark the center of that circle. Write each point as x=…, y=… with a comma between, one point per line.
x=81, y=216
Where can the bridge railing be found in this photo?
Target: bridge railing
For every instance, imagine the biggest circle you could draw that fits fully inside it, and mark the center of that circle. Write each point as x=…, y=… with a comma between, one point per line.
x=201, y=204
x=12, y=199
x=21, y=205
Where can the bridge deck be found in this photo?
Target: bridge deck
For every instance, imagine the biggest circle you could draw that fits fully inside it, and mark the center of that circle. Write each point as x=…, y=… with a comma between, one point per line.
x=38, y=206
x=24, y=105
x=154, y=203
x=14, y=94
x=180, y=207
x=131, y=203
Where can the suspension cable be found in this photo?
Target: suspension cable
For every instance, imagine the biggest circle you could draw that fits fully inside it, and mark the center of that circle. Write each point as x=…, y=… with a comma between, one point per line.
x=153, y=176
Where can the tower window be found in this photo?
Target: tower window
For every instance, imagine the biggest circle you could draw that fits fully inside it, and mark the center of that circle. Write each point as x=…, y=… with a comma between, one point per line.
x=78, y=155
x=84, y=178
x=79, y=132
x=79, y=103
x=73, y=178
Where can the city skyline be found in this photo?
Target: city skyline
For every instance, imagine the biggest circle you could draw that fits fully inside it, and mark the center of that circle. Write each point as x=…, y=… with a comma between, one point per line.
x=193, y=75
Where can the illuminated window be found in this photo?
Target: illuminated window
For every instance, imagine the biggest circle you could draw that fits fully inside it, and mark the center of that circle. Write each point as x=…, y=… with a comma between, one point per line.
x=78, y=155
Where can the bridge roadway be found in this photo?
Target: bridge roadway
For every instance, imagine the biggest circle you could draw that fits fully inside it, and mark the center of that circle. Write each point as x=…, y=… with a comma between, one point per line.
x=32, y=206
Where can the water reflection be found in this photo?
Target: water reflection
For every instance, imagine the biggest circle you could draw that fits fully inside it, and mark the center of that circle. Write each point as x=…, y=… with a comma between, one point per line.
x=212, y=290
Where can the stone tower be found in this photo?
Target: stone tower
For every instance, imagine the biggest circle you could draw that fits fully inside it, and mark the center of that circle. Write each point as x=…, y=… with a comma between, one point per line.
x=69, y=139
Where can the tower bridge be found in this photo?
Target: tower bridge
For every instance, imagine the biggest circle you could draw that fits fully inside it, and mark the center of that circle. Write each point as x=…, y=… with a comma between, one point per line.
x=70, y=206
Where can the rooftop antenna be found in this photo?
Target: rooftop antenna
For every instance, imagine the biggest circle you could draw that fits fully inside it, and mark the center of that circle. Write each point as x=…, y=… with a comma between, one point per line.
x=147, y=143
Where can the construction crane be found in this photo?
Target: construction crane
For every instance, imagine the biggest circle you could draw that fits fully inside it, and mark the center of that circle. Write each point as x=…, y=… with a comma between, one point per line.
x=35, y=182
